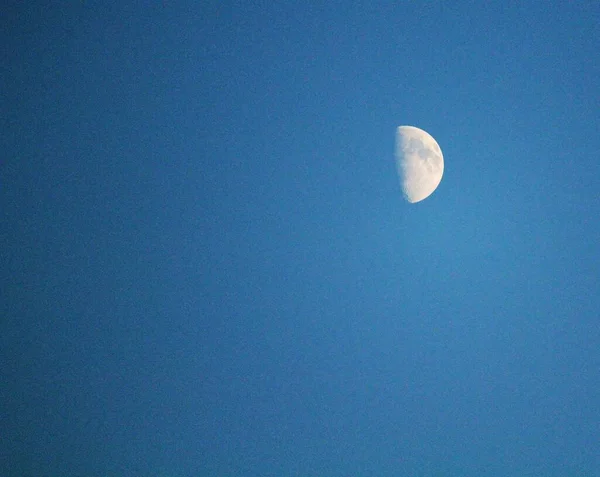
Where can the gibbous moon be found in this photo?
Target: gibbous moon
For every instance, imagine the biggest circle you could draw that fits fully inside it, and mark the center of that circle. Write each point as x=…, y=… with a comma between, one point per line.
x=420, y=163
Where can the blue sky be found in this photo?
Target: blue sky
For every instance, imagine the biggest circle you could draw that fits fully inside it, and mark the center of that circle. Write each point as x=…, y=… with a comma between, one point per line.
x=208, y=267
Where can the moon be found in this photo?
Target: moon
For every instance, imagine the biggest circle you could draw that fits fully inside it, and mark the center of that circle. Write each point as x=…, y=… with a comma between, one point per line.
x=420, y=163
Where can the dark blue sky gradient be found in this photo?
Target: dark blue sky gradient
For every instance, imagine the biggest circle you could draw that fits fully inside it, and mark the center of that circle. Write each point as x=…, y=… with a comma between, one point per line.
x=208, y=268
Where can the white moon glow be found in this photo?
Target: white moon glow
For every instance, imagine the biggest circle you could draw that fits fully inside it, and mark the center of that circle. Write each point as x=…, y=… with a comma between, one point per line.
x=420, y=163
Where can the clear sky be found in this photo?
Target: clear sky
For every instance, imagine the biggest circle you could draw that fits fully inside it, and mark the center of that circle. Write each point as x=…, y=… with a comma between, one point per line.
x=207, y=267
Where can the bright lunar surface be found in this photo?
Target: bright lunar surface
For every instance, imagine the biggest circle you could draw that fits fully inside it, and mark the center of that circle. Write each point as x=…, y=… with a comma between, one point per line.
x=420, y=163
